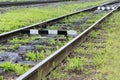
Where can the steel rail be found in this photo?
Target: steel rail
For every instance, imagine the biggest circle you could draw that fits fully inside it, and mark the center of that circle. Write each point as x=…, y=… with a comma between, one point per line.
x=39, y=71
x=7, y=35
x=6, y=4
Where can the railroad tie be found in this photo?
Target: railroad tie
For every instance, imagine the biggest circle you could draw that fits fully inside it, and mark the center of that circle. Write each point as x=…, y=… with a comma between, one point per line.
x=105, y=8
x=50, y=32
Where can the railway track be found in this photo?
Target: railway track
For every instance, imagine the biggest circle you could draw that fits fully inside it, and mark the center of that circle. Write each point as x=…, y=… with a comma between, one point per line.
x=33, y=44
x=6, y=4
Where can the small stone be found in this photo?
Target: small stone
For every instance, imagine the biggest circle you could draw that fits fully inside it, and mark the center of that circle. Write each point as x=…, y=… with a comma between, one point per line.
x=30, y=63
x=1, y=58
x=1, y=71
x=38, y=42
x=7, y=56
x=26, y=48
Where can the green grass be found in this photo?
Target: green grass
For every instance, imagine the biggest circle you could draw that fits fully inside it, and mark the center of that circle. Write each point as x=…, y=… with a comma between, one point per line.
x=95, y=18
x=102, y=57
x=16, y=68
x=76, y=17
x=35, y=56
x=111, y=69
x=74, y=64
x=21, y=17
x=1, y=78
x=24, y=40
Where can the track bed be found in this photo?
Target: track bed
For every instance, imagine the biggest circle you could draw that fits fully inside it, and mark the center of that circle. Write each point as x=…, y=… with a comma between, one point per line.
x=93, y=59
x=30, y=46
